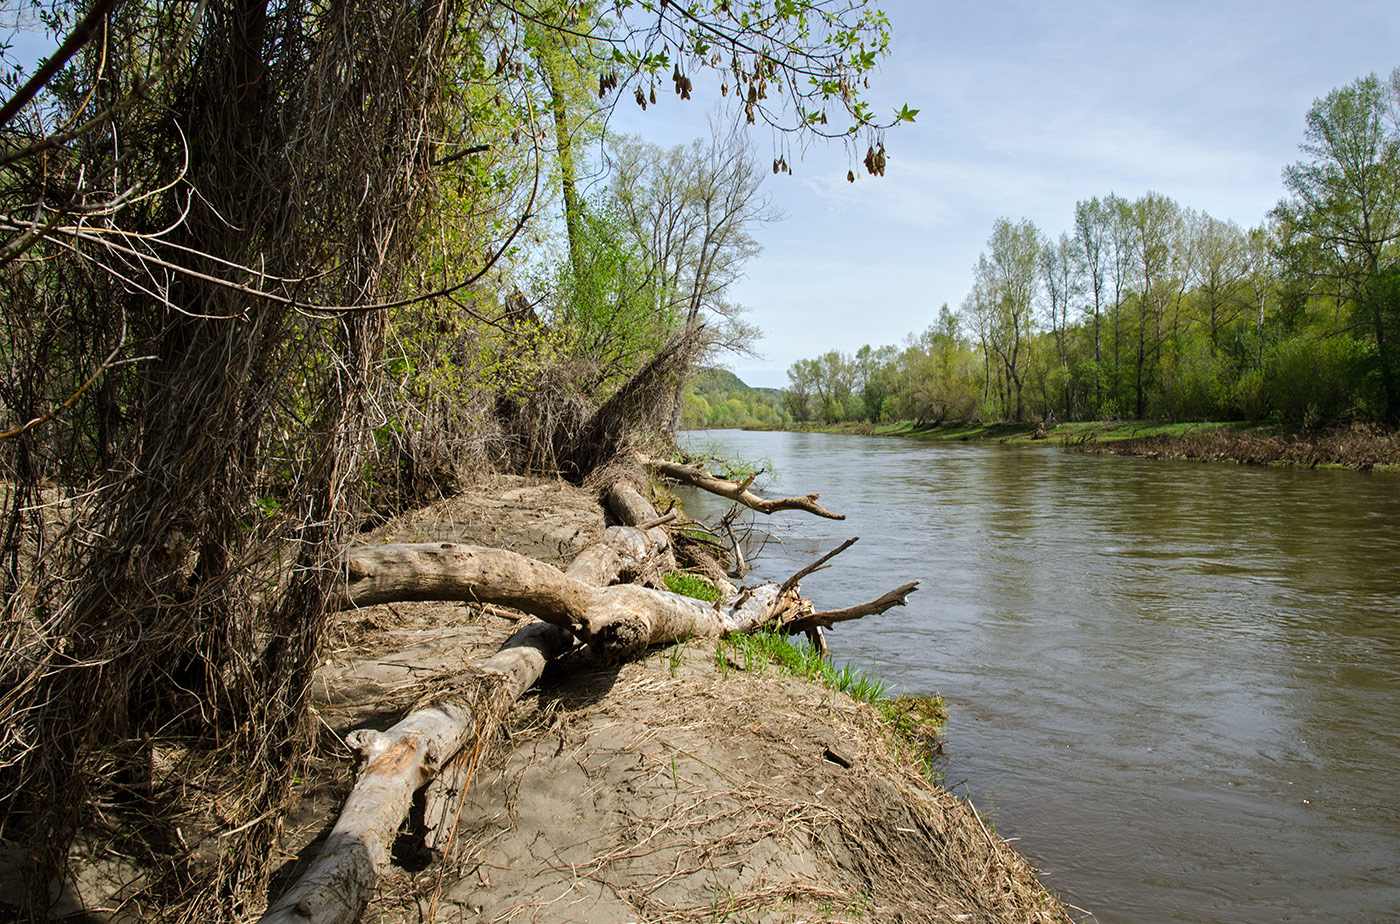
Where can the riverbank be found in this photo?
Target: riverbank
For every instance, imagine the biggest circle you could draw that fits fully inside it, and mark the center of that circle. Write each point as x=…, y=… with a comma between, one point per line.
x=702, y=783
x=1364, y=447
x=699, y=784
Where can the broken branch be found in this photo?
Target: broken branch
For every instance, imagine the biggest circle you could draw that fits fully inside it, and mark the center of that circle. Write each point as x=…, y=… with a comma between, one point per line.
x=739, y=491
x=820, y=563
x=825, y=619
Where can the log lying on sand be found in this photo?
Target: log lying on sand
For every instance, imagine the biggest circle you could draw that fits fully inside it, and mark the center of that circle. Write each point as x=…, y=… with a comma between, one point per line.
x=339, y=883
x=618, y=621
x=738, y=491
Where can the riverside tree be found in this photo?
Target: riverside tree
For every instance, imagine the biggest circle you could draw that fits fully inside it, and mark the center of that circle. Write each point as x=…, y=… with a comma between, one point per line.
x=693, y=209
x=1344, y=206
x=230, y=232
x=1155, y=310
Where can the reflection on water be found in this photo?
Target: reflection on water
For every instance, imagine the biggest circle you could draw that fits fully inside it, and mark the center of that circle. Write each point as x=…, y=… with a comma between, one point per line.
x=1178, y=684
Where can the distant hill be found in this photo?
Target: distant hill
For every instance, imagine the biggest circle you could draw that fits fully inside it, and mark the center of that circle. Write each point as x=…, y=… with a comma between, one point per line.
x=716, y=397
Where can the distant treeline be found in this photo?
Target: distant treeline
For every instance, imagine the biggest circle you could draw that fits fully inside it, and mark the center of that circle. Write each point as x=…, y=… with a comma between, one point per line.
x=1148, y=309
x=717, y=398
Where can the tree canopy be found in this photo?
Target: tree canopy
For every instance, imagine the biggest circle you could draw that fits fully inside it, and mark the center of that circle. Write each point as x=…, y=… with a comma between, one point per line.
x=1148, y=308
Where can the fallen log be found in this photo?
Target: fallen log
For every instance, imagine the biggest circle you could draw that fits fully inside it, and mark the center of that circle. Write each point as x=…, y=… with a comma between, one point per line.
x=738, y=491
x=621, y=554
x=339, y=883
x=618, y=621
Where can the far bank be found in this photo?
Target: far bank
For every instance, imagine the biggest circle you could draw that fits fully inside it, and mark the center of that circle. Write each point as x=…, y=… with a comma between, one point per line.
x=1364, y=447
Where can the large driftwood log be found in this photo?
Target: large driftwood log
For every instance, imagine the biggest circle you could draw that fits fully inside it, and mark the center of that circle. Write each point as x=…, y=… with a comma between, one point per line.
x=339, y=883
x=738, y=491
x=618, y=622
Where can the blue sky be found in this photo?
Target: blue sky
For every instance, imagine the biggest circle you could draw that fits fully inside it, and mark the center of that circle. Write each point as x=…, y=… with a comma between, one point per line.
x=1025, y=109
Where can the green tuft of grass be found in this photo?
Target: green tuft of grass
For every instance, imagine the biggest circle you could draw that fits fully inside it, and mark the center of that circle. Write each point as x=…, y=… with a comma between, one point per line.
x=916, y=720
x=691, y=585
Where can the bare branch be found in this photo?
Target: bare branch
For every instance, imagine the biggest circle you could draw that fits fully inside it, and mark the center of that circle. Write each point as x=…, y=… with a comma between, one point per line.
x=825, y=619
x=738, y=492
x=820, y=563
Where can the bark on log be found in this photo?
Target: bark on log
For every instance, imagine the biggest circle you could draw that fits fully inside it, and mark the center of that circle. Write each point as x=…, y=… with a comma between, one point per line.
x=621, y=553
x=628, y=505
x=339, y=883
x=618, y=622
x=739, y=491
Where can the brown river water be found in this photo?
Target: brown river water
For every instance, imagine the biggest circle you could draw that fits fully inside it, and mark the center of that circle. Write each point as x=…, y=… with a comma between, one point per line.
x=1176, y=685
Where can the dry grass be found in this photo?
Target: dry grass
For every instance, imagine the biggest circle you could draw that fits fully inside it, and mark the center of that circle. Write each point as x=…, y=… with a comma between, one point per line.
x=669, y=790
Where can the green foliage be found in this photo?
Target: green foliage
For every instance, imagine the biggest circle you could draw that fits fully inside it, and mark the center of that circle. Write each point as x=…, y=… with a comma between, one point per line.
x=604, y=305
x=760, y=649
x=934, y=377
x=717, y=398
x=1312, y=380
x=1153, y=310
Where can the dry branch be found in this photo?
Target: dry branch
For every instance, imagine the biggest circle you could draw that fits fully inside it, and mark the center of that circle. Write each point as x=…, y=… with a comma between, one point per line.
x=820, y=563
x=739, y=491
x=340, y=882
x=825, y=619
x=621, y=553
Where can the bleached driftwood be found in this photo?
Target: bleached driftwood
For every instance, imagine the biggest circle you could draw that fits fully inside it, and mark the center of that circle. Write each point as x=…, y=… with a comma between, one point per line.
x=339, y=883
x=738, y=491
x=618, y=621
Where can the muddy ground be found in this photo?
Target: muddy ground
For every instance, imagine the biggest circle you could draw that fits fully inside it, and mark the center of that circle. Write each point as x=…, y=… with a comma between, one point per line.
x=679, y=788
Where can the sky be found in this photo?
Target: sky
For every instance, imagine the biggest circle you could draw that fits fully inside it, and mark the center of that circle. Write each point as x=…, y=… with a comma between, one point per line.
x=1025, y=108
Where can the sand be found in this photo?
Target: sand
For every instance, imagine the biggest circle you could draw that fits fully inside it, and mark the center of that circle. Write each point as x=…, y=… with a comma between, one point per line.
x=678, y=788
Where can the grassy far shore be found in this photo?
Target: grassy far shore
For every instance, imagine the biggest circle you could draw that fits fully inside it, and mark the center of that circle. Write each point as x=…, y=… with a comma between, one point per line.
x=1360, y=446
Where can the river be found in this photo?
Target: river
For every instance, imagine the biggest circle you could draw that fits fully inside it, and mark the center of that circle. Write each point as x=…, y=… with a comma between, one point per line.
x=1177, y=685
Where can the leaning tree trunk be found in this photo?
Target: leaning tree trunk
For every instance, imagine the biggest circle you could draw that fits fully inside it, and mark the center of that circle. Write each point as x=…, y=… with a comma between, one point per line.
x=738, y=491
